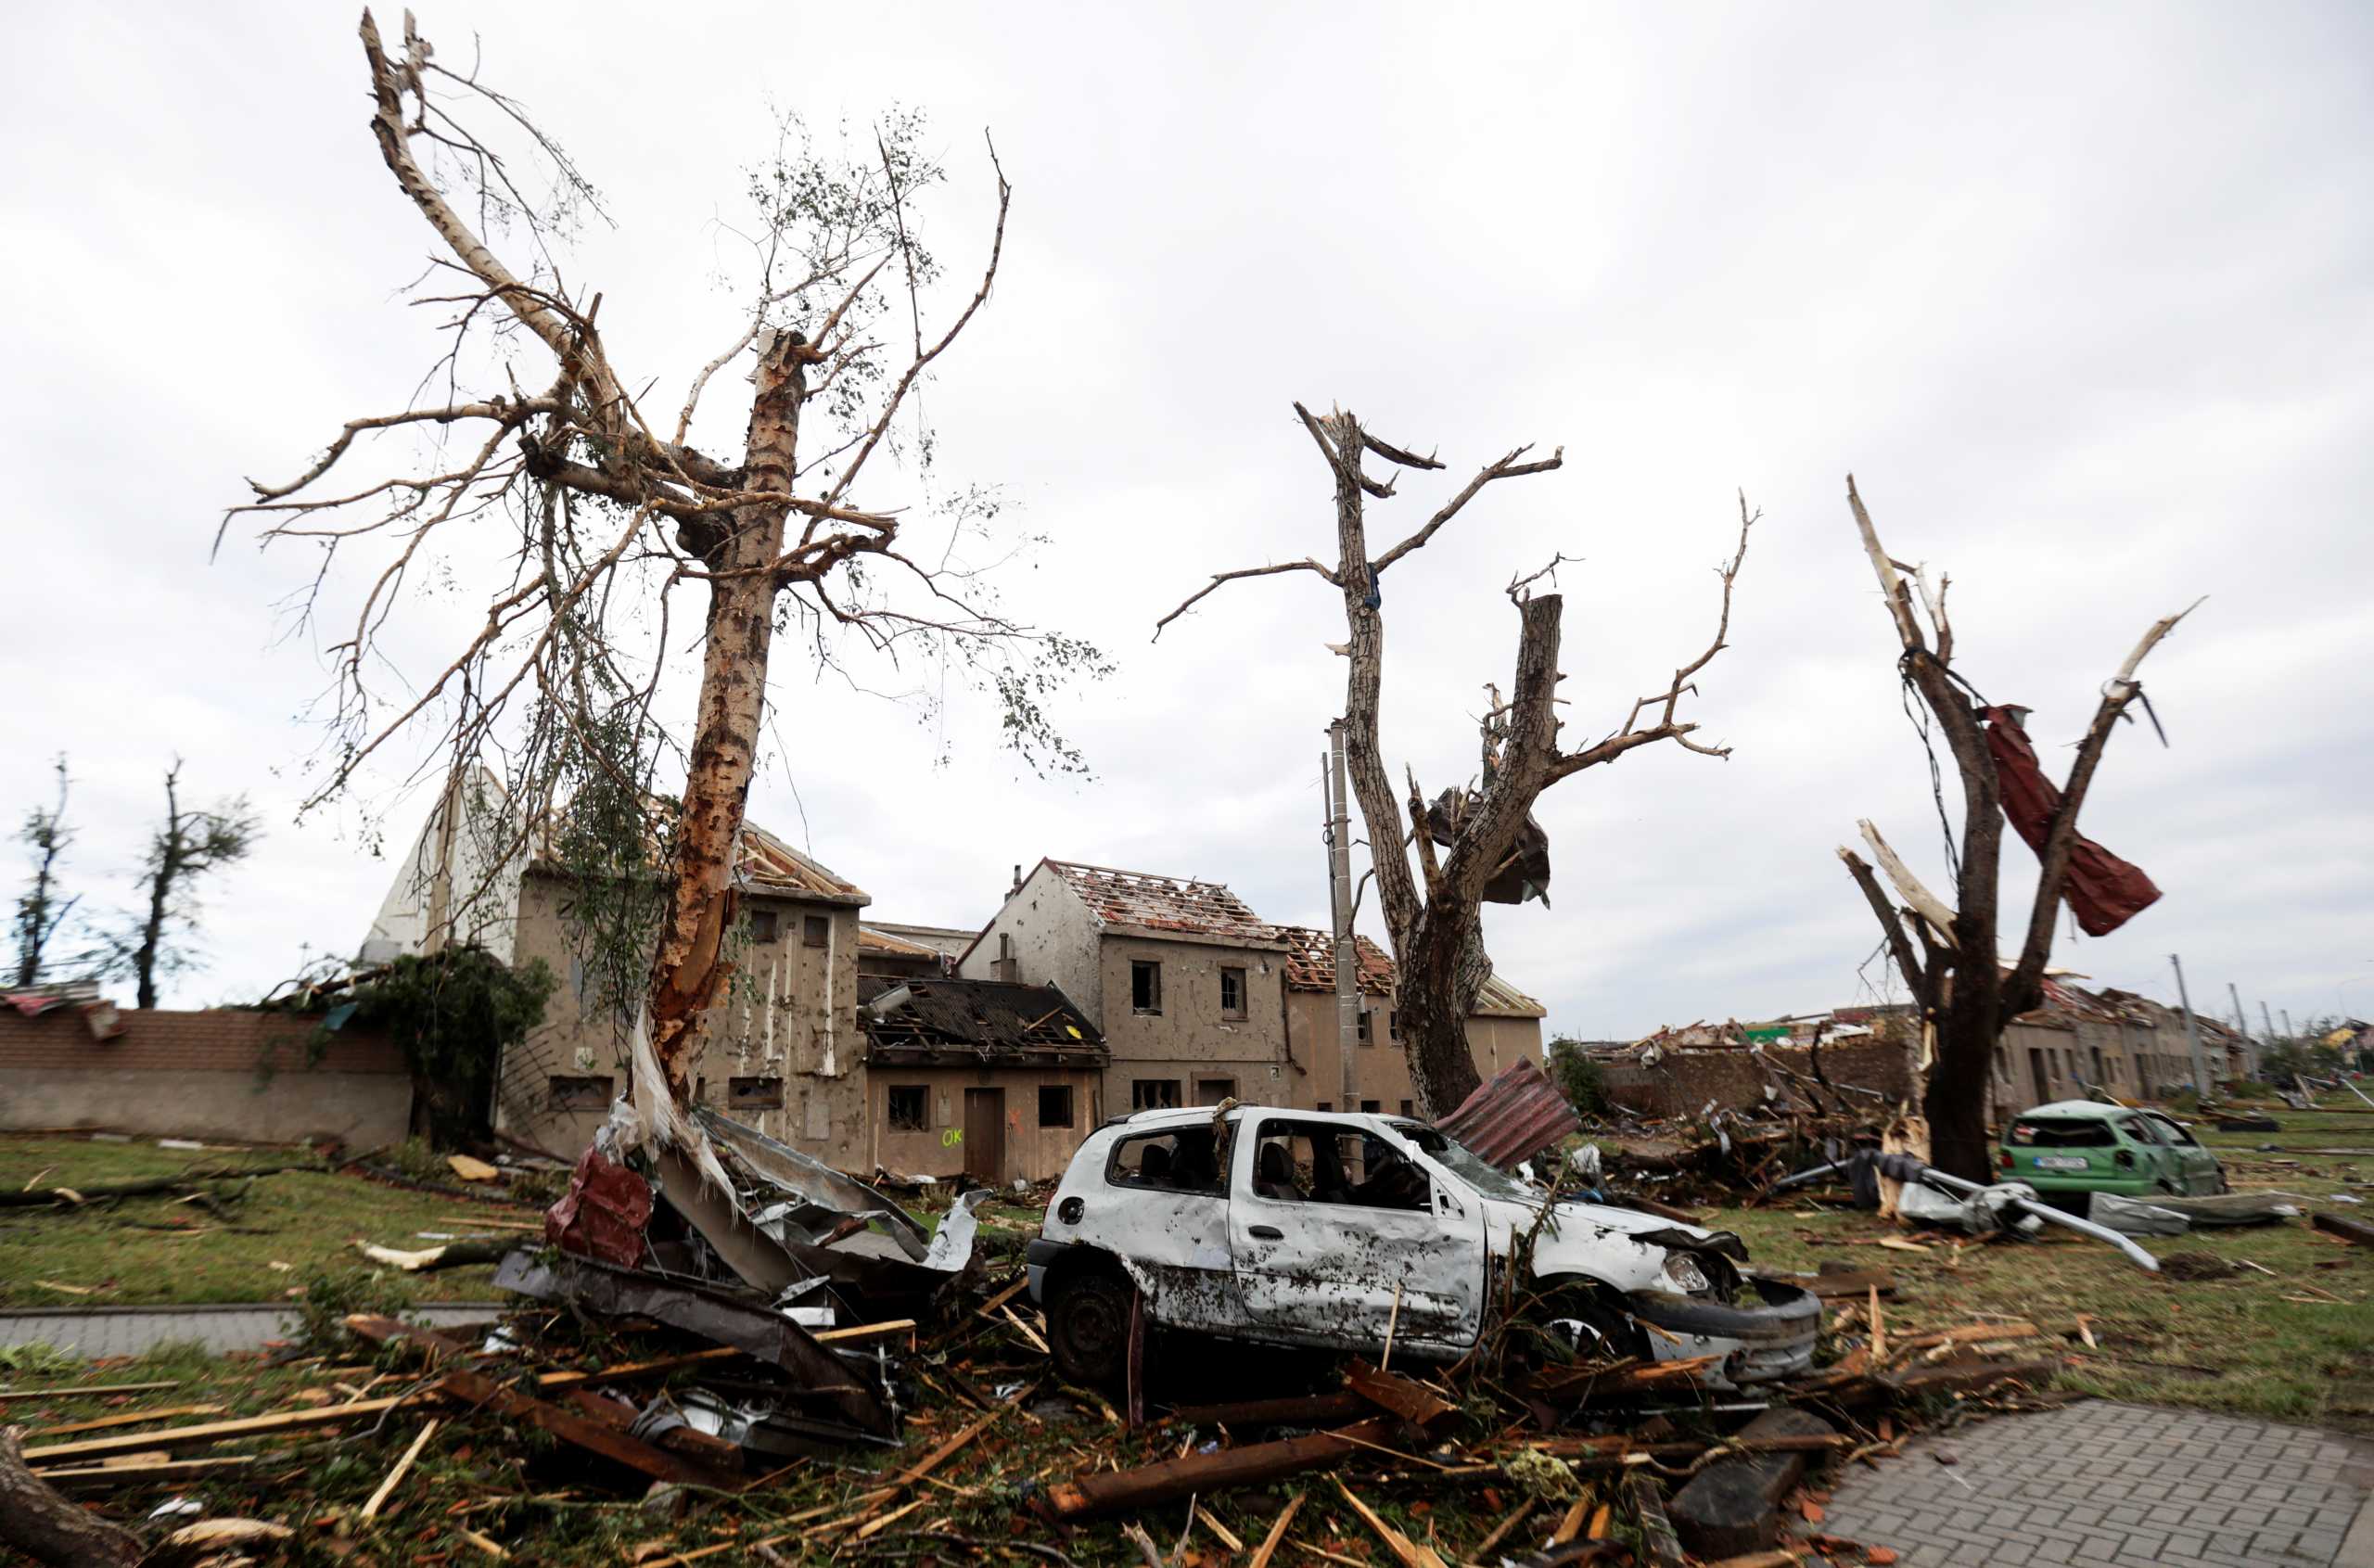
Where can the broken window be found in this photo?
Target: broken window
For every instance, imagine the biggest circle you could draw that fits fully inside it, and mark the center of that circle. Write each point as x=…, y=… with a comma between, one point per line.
x=907, y=1109
x=816, y=931
x=763, y=926
x=2052, y=1132
x=1371, y=1106
x=1154, y=1094
x=754, y=1094
x=1054, y=1104
x=1327, y=1104
x=1321, y=1163
x=1393, y=1029
x=1184, y=1161
x=1211, y=1091
x=1409, y=1107
x=579, y=1093
x=1368, y=1034
x=1145, y=987
x=1231, y=993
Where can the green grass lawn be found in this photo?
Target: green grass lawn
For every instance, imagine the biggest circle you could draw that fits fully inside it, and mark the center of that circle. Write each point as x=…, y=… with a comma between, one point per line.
x=147, y=1250
x=2293, y=1345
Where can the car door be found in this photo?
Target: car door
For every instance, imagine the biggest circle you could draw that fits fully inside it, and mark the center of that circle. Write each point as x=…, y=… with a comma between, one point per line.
x=2155, y=1161
x=1339, y=1230
x=2196, y=1167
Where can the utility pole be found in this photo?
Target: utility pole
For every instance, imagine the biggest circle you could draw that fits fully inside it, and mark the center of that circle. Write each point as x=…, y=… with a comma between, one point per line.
x=2268, y=1019
x=2242, y=1028
x=2287, y=1027
x=1339, y=857
x=2201, y=1088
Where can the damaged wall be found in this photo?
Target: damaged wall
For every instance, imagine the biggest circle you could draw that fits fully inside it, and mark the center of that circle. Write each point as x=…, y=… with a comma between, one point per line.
x=1382, y=1066
x=1192, y=1040
x=1682, y=1083
x=785, y=1054
x=1035, y=1140
x=201, y=1074
x=1053, y=938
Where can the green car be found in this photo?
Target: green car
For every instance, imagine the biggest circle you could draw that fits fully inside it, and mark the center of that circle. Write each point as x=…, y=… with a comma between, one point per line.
x=2075, y=1147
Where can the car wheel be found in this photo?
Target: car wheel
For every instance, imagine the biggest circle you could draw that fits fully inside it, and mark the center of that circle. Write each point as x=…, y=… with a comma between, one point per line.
x=1088, y=1326
x=1586, y=1323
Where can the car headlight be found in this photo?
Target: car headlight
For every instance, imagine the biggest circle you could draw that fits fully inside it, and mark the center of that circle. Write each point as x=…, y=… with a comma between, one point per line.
x=1687, y=1277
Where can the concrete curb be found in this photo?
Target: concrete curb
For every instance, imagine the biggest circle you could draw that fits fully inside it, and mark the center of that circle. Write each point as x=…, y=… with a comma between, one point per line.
x=164, y=1310
x=2357, y=1547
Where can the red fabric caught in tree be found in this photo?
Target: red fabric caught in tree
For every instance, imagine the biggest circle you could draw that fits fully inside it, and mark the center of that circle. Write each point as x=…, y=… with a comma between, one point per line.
x=2104, y=891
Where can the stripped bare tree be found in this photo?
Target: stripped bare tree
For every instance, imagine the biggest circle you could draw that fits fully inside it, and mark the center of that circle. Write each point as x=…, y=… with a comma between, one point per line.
x=1948, y=951
x=581, y=514
x=1471, y=842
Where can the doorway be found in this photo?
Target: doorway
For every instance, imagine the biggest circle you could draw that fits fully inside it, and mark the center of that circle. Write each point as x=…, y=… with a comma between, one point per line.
x=2044, y=1079
x=984, y=1135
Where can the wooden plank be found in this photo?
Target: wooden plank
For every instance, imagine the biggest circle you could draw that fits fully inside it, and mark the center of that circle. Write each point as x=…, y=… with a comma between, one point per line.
x=395, y=1476
x=1309, y=1410
x=1413, y=1402
x=213, y=1431
x=2355, y=1232
x=8, y=1395
x=1262, y=1553
x=592, y=1435
x=863, y=1331
x=1122, y=1491
x=129, y=1418
x=75, y=1478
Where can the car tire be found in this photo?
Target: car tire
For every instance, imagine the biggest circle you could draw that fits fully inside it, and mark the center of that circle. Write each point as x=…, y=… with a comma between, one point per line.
x=1088, y=1326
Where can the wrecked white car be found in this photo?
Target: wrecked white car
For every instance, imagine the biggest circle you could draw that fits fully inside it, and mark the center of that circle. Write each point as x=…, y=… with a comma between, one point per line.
x=1327, y=1229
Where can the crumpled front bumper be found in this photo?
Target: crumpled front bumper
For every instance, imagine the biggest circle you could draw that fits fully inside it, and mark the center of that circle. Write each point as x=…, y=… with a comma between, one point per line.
x=1770, y=1338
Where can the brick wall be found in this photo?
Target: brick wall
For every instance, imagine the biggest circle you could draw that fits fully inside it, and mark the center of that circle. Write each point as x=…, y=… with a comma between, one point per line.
x=201, y=1074
x=1684, y=1082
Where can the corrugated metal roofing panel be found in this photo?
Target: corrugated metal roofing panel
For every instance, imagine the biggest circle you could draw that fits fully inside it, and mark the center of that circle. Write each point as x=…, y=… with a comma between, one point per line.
x=1517, y=1114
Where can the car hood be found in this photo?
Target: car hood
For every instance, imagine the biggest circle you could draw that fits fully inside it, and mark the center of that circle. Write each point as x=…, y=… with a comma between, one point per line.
x=1593, y=1239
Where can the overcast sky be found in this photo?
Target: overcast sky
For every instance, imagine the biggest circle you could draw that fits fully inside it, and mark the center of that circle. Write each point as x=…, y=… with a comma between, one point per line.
x=2083, y=296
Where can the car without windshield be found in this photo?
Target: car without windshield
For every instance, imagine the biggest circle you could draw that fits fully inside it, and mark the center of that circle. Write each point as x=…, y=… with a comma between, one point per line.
x=1336, y=1231
x=2071, y=1149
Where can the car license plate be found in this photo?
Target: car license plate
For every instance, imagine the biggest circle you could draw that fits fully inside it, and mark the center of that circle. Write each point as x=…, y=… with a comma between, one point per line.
x=2060, y=1162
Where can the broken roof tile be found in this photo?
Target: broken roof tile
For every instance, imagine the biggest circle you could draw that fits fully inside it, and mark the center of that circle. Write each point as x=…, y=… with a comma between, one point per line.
x=1168, y=905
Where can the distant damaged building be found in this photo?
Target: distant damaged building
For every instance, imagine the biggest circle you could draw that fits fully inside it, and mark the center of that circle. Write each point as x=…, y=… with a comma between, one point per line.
x=993, y=1078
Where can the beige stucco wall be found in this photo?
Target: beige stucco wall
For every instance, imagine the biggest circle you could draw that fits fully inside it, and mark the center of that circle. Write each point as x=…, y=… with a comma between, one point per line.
x=2138, y=1061
x=1191, y=1040
x=1032, y=1152
x=1382, y=1068
x=790, y=1012
x=1054, y=939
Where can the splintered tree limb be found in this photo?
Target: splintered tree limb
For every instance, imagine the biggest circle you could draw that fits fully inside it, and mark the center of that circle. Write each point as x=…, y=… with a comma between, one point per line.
x=1092, y=1496
x=1930, y=908
x=1899, y=945
x=1892, y=588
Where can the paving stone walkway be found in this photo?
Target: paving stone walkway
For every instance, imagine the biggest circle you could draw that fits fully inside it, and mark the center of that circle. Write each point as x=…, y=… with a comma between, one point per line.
x=129, y=1331
x=2098, y=1482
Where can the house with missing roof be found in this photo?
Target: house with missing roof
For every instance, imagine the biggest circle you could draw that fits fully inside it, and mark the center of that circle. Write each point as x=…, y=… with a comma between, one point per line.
x=1199, y=999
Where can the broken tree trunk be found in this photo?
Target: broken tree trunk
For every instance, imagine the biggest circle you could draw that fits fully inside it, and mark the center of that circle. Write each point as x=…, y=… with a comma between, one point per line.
x=1733, y=1505
x=45, y=1527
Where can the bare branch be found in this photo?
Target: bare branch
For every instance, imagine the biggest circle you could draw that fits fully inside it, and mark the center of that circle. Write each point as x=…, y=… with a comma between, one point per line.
x=1891, y=587
x=1304, y=564
x=1507, y=467
x=1392, y=453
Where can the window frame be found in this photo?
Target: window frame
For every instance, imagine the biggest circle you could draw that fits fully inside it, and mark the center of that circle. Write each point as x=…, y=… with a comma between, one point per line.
x=1232, y=974
x=750, y=1093
x=1137, y=1103
x=1070, y=1104
x=816, y=931
x=891, y=1117
x=1150, y=970
x=765, y=926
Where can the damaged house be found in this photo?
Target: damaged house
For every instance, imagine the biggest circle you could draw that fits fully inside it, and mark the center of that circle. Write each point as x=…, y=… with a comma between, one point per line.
x=1200, y=999
x=787, y=1050
x=994, y=1078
